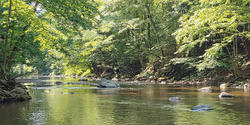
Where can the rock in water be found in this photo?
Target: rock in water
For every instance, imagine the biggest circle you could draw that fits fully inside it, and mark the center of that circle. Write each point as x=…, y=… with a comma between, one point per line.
x=206, y=89
x=223, y=87
x=104, y=83
x=225, y=95
x=59, y=83
x=67, y=93
x=199, y=108
x=246, y=87
x=17, y=93
x=174, y=99
x=84, y=79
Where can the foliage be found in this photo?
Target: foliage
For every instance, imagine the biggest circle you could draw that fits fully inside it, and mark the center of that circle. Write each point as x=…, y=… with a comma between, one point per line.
x=122, y=38
x=217, y=28
x=27, y=33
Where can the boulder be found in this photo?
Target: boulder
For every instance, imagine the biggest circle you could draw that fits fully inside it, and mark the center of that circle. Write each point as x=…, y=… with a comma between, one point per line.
x=83, y=79
x=225, y=95
x=4, y=93
x=18, y=90
x=174, y=99
x=3, y=82
x=152, y=78
x=162, y=79
x=163, y=82
x=152, y=81
x=82, y=83
x=246, y=86
x=67, y=93
x=223, y=87
x=205, y=89
x=104, y=83
x=115, y=79
x=20, y=93
x=127, y=79
x=59, y=83
x=199, y=108
x=17, y=93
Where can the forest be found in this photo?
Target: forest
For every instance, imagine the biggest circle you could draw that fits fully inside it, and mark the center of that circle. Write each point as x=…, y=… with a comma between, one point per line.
x=124, y=62
x=134, y=39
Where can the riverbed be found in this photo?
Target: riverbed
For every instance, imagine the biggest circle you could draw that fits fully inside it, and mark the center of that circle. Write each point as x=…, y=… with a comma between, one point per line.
x=53, y=104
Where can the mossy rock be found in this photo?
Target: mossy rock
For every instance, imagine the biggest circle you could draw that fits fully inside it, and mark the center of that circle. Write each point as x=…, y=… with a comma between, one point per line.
x=18, y=93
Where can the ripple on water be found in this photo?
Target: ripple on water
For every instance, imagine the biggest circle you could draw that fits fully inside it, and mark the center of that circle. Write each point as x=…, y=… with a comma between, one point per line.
x=144, y=105
x=38, y=118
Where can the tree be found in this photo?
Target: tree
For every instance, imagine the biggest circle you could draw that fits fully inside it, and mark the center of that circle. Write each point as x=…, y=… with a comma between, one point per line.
x=136, y=35
x=27, y=29
x=218, y=29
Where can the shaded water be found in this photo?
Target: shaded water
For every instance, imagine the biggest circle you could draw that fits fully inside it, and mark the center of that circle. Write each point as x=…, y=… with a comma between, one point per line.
x=58, y=105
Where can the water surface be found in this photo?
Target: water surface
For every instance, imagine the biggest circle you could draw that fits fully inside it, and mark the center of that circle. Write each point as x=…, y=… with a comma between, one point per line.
x=142, y=105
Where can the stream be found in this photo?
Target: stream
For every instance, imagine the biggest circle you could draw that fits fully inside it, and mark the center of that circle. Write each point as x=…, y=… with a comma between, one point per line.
x=131, y=104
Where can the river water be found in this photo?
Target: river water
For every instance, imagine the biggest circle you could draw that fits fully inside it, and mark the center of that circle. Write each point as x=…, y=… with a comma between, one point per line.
x=129, y=105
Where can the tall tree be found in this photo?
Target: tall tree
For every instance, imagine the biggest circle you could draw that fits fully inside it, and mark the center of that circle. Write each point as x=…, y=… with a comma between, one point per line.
x=218, y=29
x=27, y=28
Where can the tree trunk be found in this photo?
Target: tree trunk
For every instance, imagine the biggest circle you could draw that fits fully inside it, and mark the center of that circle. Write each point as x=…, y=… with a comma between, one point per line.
x=4, y=66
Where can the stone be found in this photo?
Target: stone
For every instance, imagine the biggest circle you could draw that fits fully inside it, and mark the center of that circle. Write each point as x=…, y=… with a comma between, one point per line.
x=115, y=79
x=18, y=90
x=225, y=95
x=20, y=94
x=163, y=82
x=247, y=86
x=152, y=81
x=104, y=83
x=127, y=79
x=136, y=81
x=205, y=89
x=239, y=87
x=162, y=79
x=223, y=87
x=3, y=82
x=174, y=99
x=67, y=93
x=58, y=83
x=151, y=77
x=17, y=93
x=199, y=108
x=84, y=79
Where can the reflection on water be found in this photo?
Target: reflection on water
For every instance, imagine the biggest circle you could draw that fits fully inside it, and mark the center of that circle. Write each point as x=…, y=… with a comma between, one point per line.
x=58, y=105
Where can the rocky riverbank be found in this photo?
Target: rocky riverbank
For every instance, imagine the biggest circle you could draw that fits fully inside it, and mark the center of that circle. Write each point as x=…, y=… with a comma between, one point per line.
x=93, y=81
x=164, y=81
x=13, y=92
